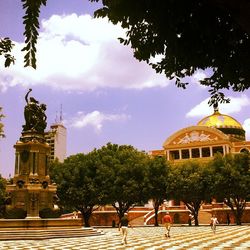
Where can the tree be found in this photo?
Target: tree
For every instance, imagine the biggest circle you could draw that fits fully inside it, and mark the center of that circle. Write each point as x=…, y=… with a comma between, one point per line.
x=189, y=35
x=231, y=181
x=187, y=183
x=122, y=171
x=78, y=186
x=3, y=195
x=5, y=48
x=156, y=183
x=1, y=124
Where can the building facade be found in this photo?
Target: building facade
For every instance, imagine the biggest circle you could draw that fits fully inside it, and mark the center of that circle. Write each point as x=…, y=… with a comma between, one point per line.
x=56, y=137
x=214, y=133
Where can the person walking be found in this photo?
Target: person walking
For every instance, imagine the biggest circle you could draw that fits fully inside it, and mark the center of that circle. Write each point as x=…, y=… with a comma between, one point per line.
x=190, y=219
x=167, y=221
x=213, y=223
x=123, y=225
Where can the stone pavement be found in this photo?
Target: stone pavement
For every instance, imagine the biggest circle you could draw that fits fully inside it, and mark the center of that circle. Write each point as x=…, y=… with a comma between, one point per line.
x=226, y=237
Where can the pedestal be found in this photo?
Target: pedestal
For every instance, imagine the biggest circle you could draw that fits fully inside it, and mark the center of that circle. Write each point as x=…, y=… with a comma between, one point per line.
x=32, y=189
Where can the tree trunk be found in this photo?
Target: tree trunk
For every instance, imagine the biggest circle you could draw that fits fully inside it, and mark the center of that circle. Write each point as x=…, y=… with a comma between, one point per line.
x=240, y=206
x=194, y=208
x=86, y=220
x=121, y=209
x=238, y=219
x=196, y=221
x=156, y=216
x=86, y=213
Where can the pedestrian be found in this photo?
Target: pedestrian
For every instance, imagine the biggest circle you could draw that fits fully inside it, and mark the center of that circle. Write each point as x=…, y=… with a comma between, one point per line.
x=190, y=218
x=123, y=225
x=213, y=223
x=167, y=221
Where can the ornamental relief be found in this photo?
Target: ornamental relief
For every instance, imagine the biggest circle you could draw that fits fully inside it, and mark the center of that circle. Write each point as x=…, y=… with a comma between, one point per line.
x=194, y=136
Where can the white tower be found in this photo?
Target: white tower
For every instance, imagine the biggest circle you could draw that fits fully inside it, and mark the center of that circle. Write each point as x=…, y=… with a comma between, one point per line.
x=56, y=137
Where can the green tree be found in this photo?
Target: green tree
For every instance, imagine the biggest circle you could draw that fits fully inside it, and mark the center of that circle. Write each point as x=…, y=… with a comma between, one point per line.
x=231, y=181
x=6, y=46
x=187, y=183
x=1, y=124
x=188, y=35
x=3, y=195
x=156, y=183
x=78, y=186
x=122, y=171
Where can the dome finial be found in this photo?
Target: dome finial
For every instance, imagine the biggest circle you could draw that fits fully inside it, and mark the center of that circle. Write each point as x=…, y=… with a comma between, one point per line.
x=216, y=108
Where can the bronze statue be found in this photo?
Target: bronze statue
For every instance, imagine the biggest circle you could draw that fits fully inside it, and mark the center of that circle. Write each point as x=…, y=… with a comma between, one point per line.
x=34, y=114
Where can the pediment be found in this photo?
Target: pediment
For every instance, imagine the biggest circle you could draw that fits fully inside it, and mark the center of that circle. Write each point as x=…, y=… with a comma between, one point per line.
x=195, y=134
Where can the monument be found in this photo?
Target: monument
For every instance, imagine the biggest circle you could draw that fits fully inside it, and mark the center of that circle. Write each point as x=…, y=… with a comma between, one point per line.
x=32, y=190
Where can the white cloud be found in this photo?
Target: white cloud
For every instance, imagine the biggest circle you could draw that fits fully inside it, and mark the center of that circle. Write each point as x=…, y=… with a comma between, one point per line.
x=246, y=126
x=81, y=53
x=235, y=105
x=199, y=75
x=95, y=119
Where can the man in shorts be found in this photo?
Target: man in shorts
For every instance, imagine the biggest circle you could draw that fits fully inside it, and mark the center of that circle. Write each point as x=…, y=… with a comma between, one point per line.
x=124, y=223
x=213, y=223
x=167, y=222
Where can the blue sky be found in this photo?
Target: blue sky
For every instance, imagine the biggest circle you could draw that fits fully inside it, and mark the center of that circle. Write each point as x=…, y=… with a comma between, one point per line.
x=106, y=95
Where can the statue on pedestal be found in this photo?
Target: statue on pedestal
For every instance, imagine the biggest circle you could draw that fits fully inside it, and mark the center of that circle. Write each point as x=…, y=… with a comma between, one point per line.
x=31, y=190
x=34, y=114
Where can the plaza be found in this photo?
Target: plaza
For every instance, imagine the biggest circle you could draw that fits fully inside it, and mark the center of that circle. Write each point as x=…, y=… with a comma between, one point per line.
x=182, y=237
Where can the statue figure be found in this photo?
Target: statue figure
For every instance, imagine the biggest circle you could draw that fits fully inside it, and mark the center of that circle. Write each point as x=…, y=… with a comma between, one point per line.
x=34, y=114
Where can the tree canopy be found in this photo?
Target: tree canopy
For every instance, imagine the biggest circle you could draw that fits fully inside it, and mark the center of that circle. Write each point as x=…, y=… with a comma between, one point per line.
x=113, y=174
x=78, y=186
x=186, y=35
x=187, y=183
x=156, y=179
x=231, y=181
x=123, y=171
x=6, y=46
x=189, y=35
x=1, y=124
x=3, y=195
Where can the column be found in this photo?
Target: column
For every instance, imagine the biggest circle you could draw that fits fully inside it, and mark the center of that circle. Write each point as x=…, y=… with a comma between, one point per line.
x=17, y=163
x=167, y=153
x=200, y=151
x=211, y=151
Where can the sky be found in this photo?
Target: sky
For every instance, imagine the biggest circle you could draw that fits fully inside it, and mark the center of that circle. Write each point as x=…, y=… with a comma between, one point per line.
x=106, y=95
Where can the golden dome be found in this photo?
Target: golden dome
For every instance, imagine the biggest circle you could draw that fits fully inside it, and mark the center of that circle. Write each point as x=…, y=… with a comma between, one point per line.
x=219, y=120
x=225, y=123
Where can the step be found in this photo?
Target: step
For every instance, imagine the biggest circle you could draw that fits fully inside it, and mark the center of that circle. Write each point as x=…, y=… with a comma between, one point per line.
x=47, y=234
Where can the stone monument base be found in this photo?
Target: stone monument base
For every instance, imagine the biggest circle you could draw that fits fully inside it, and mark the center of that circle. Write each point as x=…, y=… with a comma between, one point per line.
x=35, y=223
x=33, y=229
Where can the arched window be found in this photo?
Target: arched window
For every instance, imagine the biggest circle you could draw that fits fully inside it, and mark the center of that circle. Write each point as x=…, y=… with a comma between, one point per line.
x=244, y=150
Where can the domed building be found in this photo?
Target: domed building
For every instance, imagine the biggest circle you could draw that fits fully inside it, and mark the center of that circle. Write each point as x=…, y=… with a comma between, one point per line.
x=214, y=133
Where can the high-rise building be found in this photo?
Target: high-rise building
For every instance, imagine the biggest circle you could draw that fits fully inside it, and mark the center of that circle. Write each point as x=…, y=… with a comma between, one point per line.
x=56, y=137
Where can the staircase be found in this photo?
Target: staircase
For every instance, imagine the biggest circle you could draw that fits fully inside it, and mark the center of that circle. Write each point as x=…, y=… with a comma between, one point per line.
x=137, y=221
x=48, y=234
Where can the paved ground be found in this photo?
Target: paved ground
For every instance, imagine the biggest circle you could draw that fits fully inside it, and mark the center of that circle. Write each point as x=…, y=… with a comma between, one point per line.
x=226, y=237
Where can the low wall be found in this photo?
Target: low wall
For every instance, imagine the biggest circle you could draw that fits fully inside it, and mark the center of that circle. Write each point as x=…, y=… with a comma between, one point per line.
x=107, y=216
x=39, y=223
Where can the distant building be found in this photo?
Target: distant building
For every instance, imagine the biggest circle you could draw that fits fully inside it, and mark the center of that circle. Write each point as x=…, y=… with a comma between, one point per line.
x=56, y=137
x=214, y=133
